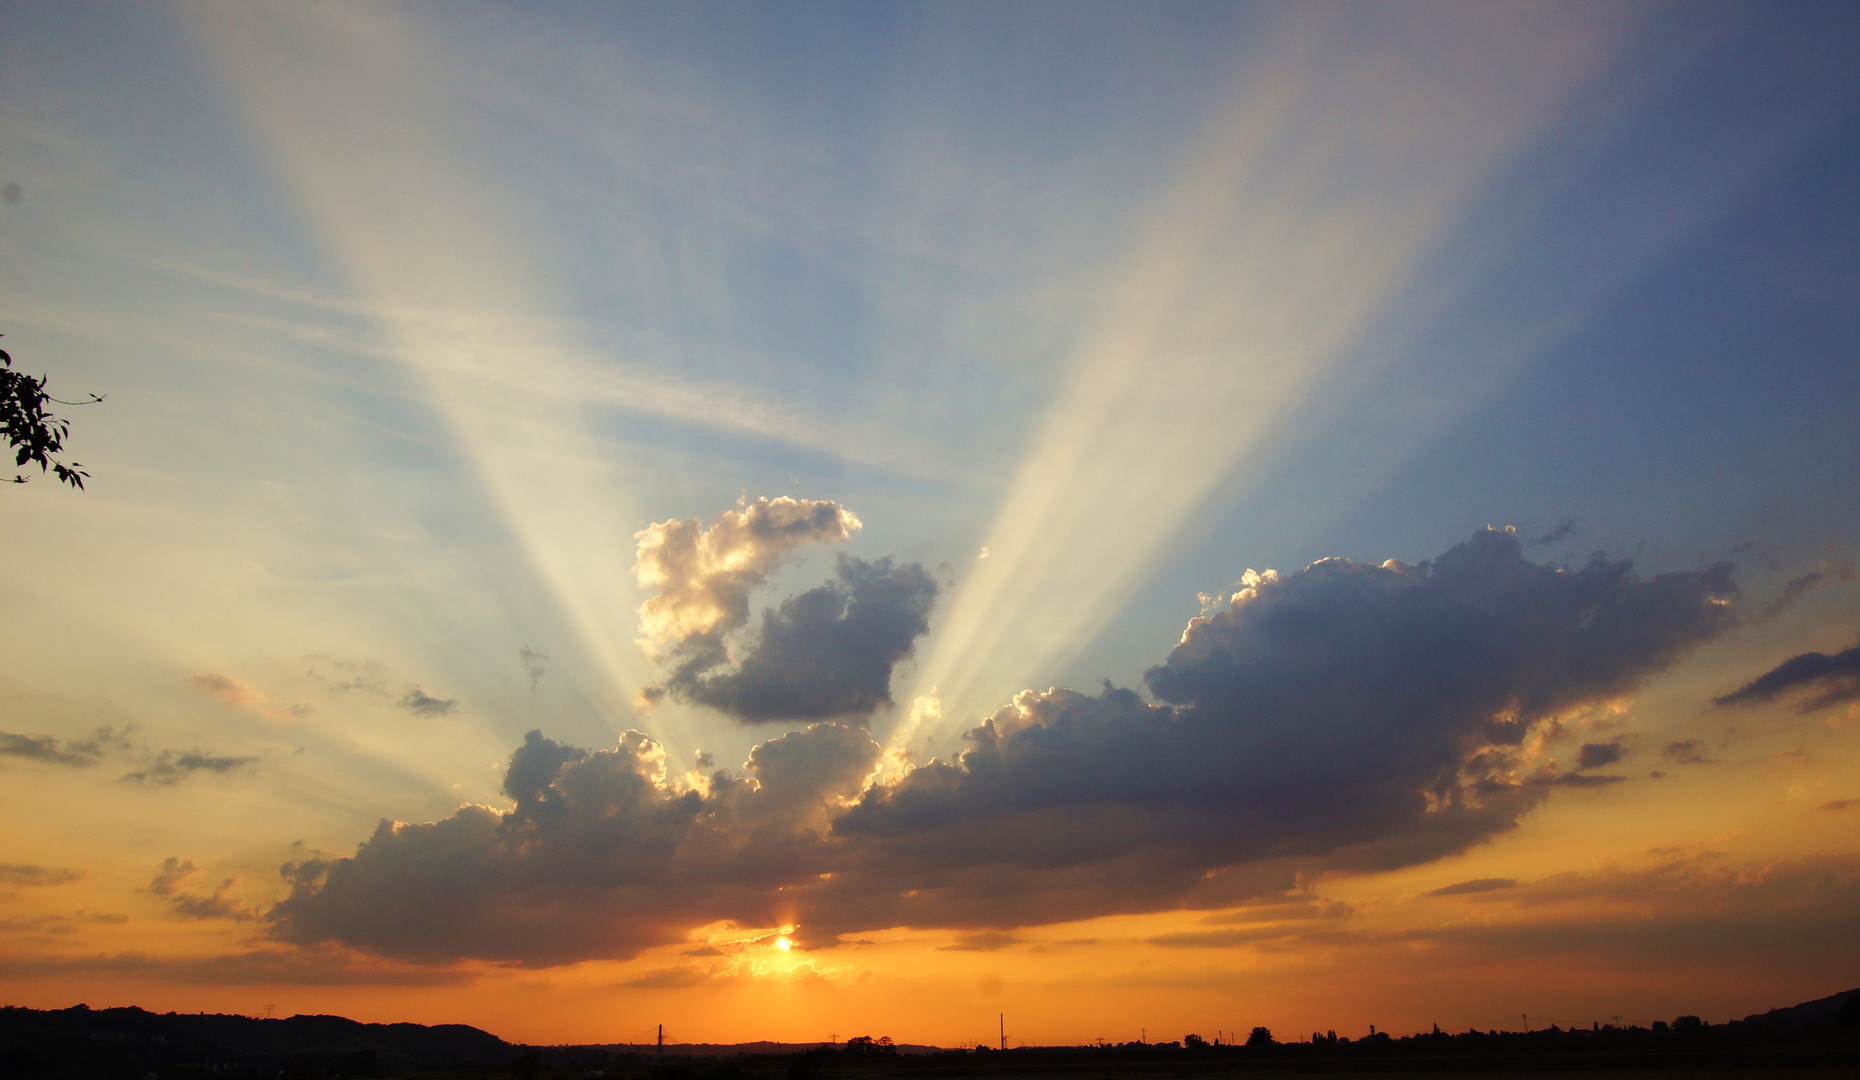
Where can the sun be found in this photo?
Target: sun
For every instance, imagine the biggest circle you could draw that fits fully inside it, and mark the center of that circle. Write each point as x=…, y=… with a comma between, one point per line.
x=783, y=944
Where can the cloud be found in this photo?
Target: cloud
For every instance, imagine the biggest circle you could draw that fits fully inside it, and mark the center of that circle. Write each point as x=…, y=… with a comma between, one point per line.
x=19, y=876
x=77, y=754
x=257, y=967
x=982, y=941
x=1476, y=885
x=827, y=652
x=173, y=766
x=174, y=873
x=674, y=978
x=602, y=855
x=1833, y=805
x=1832, y=571
x=1562, y=531
x=704, y=576
x=1837, y=677
x=419, y=703
x=1790, y=912
x=1349, y=717
x=534, y=665
x=1686, y=752
x=1595, y=755
x=227, y=689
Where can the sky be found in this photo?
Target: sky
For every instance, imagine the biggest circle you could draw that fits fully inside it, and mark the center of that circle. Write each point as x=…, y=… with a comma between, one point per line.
x=806, y=520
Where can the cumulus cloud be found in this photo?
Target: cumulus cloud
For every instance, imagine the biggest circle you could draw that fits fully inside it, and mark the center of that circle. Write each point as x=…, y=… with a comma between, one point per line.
x=704, y=575
x=173, y=766
x=1836, y=679
x=827, y=652
x=1348, y=717
x=602, y=855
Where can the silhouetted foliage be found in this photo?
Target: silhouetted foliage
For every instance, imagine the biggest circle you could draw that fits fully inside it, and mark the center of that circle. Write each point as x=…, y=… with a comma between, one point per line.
x=862, y=1045
x=1259, y=1036
x=34, y=434
x=803, y=1066
x=525, y=1063
x=1688, y=1023
x=1194, y=1042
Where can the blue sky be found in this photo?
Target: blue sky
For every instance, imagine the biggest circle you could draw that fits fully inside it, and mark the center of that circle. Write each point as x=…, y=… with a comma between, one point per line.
x=411, y=318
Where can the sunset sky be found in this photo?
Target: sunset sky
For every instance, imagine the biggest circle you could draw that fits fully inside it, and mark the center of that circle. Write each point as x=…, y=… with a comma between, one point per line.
x=804, y=520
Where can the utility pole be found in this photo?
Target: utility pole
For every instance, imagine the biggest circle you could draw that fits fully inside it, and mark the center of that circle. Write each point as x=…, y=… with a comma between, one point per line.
x=1001, y=1018
x=661, y=1052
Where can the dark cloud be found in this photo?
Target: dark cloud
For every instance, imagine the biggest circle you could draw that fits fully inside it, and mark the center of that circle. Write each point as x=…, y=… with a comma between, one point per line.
x=19, y=876
x=981, y=941
x=174, y=873
x=419, y=703
x=52, y=927
x=601, y=856
x=1836, y=677
x=1563, y=530
x=1349, y=717
x=173, y=766
x=1686, y=752
x=270, y=966
x=1579, y=780
x=76, y=754
x=1595, y=755
x=1838, y=804
x=827, y=652
x=535, y=665
x=1831, y=572
x=1476, y=885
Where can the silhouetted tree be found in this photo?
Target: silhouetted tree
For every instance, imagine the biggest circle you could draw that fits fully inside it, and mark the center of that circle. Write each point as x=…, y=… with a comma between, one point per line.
x=1194, y=1042
x=34, y=434
x=1260, y=1036
x=1688, y=1023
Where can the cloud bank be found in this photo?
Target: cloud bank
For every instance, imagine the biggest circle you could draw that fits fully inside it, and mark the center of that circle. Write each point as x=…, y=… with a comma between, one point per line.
x=1346, y=717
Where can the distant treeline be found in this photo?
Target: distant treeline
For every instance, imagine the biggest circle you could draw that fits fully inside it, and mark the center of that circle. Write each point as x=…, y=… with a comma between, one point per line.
x=132, y=1044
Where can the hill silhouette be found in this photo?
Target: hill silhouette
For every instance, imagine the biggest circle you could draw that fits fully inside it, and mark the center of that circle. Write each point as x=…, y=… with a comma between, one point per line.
x=132, y=1042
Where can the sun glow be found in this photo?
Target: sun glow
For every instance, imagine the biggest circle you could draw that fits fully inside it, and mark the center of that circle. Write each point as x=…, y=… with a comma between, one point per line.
x=783, y=944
